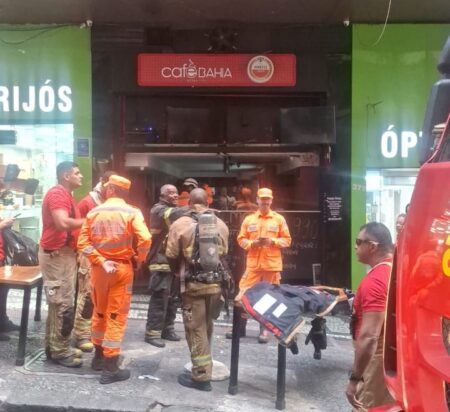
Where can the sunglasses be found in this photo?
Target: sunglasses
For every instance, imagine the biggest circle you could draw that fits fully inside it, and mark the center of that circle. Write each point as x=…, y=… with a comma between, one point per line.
x=359, y=242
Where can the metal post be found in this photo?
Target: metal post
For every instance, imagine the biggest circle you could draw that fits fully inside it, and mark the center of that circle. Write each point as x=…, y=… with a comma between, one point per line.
x=234, y=366
x=280, y=403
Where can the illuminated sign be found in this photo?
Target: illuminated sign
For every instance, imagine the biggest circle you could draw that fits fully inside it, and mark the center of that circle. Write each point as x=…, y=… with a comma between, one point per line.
x=216, y=70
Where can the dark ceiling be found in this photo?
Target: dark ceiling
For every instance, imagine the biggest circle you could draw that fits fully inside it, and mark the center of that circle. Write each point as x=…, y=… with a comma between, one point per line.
x=186, y=14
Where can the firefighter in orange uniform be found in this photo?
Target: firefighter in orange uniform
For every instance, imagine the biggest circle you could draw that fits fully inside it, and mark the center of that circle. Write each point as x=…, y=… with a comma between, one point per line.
x=188, y=185
x=106, y=239
x=263, y=234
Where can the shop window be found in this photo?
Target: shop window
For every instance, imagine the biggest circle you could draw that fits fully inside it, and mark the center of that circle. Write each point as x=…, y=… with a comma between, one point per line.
x=388, y=192
x=36, y=152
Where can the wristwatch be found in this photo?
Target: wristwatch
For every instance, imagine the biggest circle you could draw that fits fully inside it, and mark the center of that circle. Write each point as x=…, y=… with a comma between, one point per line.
x=352, y=377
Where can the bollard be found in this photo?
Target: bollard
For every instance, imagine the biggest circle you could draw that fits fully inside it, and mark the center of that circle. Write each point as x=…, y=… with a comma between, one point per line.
x=235, y=342
x=280, y=403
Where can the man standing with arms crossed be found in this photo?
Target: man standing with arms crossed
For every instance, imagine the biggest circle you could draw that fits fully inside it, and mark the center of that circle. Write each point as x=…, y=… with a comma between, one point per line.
x=58, y=261
x=263, y=234
x=200, y=288
x=366, y=388
x=162, y=308
x=83, y=312
x=106, y=239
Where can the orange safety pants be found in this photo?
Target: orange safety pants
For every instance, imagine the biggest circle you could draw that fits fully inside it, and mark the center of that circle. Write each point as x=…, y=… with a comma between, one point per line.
x=252, y=277
x=111, y=296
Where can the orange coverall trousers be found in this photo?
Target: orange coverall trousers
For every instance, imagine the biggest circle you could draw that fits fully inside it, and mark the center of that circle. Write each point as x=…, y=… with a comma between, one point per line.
x=111, y=296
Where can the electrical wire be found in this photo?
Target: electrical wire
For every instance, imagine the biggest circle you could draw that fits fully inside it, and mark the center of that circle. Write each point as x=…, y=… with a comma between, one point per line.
x=384, y=28
x=35, y=35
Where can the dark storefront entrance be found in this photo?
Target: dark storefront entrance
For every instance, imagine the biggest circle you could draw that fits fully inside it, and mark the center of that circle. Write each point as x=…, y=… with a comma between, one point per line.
x=230, y=137
x=228, y=142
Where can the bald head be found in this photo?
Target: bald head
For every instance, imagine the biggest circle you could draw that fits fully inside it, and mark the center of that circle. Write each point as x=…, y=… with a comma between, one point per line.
x=198, y=197
x=169, y=193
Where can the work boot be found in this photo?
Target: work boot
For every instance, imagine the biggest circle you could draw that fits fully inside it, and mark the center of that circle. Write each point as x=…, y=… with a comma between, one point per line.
x=85, y=345
x=112, y=373
x=154, y=338
x=98, y=361
x=74, y=351
x=169, y=334
x=186, y=380
x=7, y=326
x=242, y=329
x=70, y=361
x=263, y=335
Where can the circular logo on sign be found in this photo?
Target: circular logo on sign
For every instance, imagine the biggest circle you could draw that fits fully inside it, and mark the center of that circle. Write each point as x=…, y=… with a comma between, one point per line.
x=260, y=69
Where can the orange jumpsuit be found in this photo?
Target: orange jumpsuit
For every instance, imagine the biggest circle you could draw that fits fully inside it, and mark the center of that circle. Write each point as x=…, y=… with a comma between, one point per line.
x=263, y=263
x=109, y=233
x=183, y=199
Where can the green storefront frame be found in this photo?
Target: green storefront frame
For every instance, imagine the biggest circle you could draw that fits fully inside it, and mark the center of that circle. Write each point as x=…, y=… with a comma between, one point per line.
x=46, y=79
x=391, y=81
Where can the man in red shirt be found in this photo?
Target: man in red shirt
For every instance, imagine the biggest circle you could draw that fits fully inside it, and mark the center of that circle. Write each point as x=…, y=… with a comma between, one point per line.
x=83, y=313
x=5, y=324
x=58, y=260
x=366, y=387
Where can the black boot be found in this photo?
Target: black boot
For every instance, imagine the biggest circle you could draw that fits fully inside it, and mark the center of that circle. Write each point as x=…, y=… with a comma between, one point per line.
x=186, y=380
x=98, y=361
x=111, y=372
x=169, y=334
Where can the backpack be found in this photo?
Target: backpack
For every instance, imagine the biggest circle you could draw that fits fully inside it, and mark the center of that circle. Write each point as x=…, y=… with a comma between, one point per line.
x=206, y=265
x=19, y=249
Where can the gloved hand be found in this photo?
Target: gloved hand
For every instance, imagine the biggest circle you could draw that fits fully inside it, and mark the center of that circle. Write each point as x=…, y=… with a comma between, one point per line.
x=318, y=336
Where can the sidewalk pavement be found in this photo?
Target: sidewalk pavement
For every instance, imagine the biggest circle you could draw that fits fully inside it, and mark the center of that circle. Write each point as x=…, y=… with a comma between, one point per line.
x=311, y=385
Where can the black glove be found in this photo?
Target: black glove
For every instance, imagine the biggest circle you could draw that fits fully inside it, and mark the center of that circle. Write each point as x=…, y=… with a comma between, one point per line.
x=318, y=336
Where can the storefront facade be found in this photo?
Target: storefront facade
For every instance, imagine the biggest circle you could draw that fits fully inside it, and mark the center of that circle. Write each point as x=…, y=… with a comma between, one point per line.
x=45, y=111
x=391, y=81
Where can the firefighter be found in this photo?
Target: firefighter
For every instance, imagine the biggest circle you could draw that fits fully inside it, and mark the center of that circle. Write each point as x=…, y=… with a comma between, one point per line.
x=263, y=234
x=58, y=262
x=106, y=239
x=188, y=185
x=194, y=254
x=162, y=308
x=83, y=313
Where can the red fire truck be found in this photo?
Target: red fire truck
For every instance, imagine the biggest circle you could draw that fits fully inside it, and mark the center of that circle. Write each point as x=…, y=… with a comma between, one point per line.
x=417, y=329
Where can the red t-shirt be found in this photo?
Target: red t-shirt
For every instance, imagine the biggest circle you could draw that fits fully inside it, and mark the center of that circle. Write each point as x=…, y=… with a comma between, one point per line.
x=85, y=205
x=371, y=294
x=58, y=198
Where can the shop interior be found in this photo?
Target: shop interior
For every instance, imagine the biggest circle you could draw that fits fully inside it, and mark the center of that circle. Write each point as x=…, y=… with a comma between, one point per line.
x=27, y=153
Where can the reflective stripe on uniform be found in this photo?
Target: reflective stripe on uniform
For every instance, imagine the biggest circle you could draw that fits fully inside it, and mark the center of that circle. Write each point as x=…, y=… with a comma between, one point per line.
x=108, y=244
x=111, y=344
x=155, y=231
x=88, y=250
x=113, y=209
x=97, y=334
x=201, y=360
x=159, y=267
x=166, y=215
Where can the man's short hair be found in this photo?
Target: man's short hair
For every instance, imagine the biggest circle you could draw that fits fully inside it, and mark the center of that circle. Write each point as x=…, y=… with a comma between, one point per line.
x=64, y=167
x=379, y=233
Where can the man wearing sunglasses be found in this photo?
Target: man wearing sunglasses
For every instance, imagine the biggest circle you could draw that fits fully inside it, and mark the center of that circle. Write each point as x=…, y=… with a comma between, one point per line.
x=366, y=387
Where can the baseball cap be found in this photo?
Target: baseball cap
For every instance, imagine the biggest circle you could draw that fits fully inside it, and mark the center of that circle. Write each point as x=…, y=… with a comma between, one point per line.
x=118, y=181
x=264, y=192
x=190, y=182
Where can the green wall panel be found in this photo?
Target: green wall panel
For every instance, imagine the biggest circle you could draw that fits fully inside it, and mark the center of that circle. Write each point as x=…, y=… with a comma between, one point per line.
x=390, y=85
